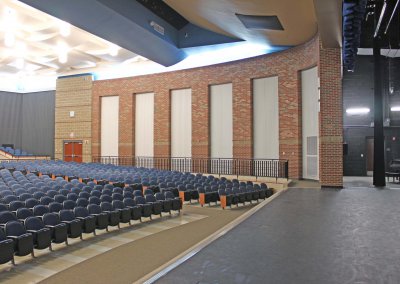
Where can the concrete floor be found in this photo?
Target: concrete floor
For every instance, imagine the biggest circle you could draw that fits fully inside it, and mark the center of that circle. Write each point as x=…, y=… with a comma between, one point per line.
x=307, y=236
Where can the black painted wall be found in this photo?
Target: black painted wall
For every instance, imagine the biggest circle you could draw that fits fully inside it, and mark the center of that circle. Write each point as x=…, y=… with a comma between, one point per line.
x=358, y=91
x=27, y=121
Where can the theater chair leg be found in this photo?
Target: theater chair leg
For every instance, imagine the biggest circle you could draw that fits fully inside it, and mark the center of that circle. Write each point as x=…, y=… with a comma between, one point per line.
x=151, y=218
x=170, y=213
x=107, y=229
x=119, y=226
x=130, y=223
x=33, y=253
x=81, y=237
x=13, y=261
x=66, y=242
x=140, y=220
x=50, y=248
x=94, y=233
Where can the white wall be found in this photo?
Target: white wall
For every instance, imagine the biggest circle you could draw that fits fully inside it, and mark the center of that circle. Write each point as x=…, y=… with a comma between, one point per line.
x=181, y=123
x=109, y=126
x=144, y=125
x=310, y=123
x=221, y=121
x=266, y=118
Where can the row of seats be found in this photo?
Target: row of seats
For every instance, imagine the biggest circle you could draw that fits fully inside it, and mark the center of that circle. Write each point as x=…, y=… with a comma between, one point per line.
x=15, y=152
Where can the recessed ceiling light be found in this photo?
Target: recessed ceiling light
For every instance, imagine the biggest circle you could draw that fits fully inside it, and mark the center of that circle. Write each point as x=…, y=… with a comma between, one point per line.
x=356, y=111
x=395, y=108
x=114, y=49
x=65, y=29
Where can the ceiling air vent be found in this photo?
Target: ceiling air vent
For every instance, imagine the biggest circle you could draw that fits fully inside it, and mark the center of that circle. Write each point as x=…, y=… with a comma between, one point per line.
x=260, y=22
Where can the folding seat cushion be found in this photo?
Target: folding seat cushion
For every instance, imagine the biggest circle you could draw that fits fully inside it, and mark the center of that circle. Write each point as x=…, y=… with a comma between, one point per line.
x=59, y=231
x=125, y=213
x=69, y=204
x=128, y=189
x=41, y=234
x=23, y=241
x=147, y=209
x=166, y=204
x=84, y=195
x=74, y=225
x=157, y=205
x=6, y=248
x=212, y=194
x=101, y=217
x=91, y=184
x=89, y=221
x=82, y=202
x=136, y=211
x=113, y=215
x=268, y=191
x=176, y=201
x=15, y=205
x=31, y=202
x=23, y=213
x=40, y=210
x=46, y=200
x=55, y=207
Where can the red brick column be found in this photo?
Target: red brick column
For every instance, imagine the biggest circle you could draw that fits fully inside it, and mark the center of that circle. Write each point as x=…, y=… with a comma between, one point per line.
x=162, y=123
x=290, y=139
x=331, y=118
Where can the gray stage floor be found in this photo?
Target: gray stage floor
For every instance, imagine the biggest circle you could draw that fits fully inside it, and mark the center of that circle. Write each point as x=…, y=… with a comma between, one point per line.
x=307, y=236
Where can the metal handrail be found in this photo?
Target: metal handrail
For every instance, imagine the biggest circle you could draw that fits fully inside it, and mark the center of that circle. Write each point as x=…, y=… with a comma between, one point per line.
x=274, y=168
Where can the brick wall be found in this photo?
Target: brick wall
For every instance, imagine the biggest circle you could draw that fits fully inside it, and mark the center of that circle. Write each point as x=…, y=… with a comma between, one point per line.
x=74, y=94
x=286, y=65
x=331, y=117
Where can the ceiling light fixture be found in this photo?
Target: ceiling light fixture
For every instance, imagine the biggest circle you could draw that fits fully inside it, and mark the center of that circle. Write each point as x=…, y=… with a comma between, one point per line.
x=395, y=108
x=357, y=111
x=65, y=29
x=114, y=49
x=62, y=50
x=9, y=39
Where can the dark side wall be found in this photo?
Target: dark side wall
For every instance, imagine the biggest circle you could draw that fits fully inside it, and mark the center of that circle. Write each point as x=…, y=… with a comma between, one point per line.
x=358, y=91
x=27, y=121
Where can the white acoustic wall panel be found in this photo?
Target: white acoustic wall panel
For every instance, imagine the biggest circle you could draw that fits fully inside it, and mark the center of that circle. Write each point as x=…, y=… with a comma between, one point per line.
x=144, y=125
x=266, y=118
x=109, y=125
x=181, y=123
x=310, y=122
x=221, y=121
x=181, y=129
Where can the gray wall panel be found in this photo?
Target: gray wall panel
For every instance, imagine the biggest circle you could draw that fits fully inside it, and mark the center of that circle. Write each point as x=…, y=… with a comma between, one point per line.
x=10, y=118
x=38, y=111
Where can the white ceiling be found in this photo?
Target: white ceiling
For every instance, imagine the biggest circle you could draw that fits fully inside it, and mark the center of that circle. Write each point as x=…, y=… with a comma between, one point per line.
x=38, y=41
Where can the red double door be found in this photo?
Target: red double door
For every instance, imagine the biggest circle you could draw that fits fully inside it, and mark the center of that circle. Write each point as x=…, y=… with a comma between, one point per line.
x=73, y=151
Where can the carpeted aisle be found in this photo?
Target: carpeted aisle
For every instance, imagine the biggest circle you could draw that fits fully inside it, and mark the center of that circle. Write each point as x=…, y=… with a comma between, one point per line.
x=130, y=262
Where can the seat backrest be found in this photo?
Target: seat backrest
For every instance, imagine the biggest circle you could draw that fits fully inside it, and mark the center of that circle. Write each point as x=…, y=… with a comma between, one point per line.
x=150, y=198
x=66, y=215
x=38, y=195
x=51, y=219
x=84, y=195
x=60, y=198
x=14, y=205
x=106, y=191
x=3, y=207
x=72, y=196
x=137, y=193
x=140, y=200
x=159, y=196
x=94, y=200
x=64, y=191
x=106, y=206
x=117, y=196
x=95, y=193
x=94, y=209
x=46, y=200
x=148, y=191
x=14, y=228
x=31, y=202
x=23, y=213
x=117, y=190
x=169, y=195
x=118, y=204
x=82, y=202
x=106, y=198
x=80, y=211
x=129, y=202
x=33, y=223
x=2, y=235
x=52, y=193
x=10, y=198
x=55, y=207
x=40, y=210
x=128, y=194
x=6, y=216
x=69, y=204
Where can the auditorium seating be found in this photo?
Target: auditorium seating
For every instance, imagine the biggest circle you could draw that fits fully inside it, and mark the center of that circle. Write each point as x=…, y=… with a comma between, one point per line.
x=45, y=202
